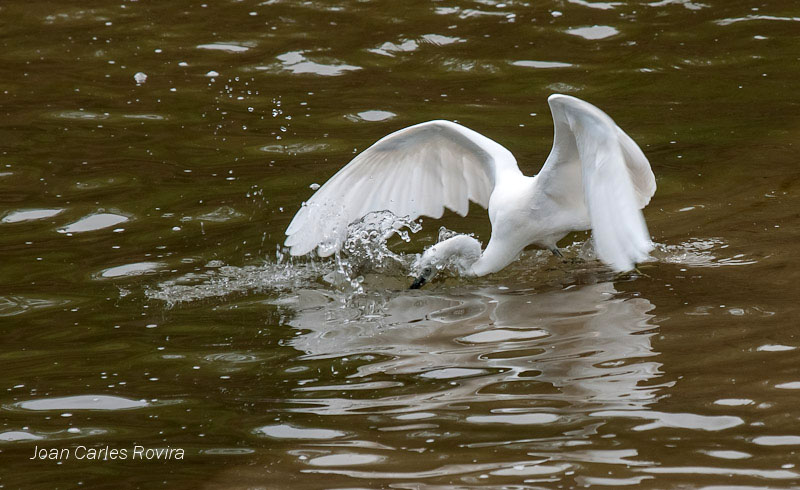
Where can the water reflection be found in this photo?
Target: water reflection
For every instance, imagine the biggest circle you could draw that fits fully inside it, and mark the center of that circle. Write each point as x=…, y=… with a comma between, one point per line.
x=579, y=349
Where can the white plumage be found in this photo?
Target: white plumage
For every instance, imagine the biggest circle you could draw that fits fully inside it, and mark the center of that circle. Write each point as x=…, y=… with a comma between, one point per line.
x=595, y=177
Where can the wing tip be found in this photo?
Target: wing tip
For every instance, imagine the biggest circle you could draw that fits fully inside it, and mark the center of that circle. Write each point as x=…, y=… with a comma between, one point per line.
x=296, y=249
x=581, y=106
x=436, y=122
x=563, y=99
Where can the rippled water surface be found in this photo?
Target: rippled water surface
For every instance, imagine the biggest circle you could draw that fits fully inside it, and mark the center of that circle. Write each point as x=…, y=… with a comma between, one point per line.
x=152, y=154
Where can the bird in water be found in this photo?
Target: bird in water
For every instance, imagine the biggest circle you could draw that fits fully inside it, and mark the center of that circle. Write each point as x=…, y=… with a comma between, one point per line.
x=596, y=177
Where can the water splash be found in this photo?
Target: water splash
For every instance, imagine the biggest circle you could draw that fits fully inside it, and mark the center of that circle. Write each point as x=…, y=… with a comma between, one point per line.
x=699, y=252
x=366, y=263
x=216, y=282
x=364, y=251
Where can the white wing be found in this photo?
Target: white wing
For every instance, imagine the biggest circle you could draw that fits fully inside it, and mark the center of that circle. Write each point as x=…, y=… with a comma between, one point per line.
x=596, y=169
x=419, y=170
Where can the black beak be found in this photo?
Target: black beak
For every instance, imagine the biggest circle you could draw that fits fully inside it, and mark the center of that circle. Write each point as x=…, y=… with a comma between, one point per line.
x=418, y=282
x=423, y=278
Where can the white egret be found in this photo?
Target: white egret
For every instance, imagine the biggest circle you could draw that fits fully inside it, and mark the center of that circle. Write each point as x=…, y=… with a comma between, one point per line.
x=595, y=177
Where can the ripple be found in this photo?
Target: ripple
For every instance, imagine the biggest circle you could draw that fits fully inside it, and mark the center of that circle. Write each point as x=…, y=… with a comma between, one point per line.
x=297, y=63
x=147, y=117
x=687, y=4
x=593, y=33
x=415, y=416
x=232, y=47
x=464, y=13
x=541, y=64
x=345, y=459
x=792, y=385
x=30, y=214
x=409, y=427
x=372, y=385
x=450, y=373
x=94, y=222
x=130, y=270
x=70, y=433
x=531, y=470
x=702, y=470
x=565, y=87
x=738, y=487
x=777, y=440
x=514, y=419
x=604, y=456
x=15, y=435
x=409, y=45
x=458, y=313
x=503, y=335
x=775, y=348
x=16, y=305
x=675, y=420
x=734, y=402
x=285, y=431
x=233, y=357
x=596, y=5
x=752, y=17
x=727, y=454
x=295, y=148
x=690, y=208
x=389, y=49
x=440, y=40
x=227, y=451
x=441, y=471
x=371, y=116
x=82, y=115
x=73, y=15
x=220, y=215
x=590, y=481
x=82, y=402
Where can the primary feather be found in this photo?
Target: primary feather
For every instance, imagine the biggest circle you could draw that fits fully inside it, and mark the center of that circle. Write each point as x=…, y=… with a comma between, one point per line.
x=419, y=170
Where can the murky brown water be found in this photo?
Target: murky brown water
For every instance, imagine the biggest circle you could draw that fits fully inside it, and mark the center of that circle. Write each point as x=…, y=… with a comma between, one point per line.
x=142, y=302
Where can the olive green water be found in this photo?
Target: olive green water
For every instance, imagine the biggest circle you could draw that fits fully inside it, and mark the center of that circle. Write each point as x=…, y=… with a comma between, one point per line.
x=142, y=302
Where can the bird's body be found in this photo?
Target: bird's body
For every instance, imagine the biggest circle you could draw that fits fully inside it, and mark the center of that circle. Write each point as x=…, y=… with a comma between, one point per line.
x=595, y=177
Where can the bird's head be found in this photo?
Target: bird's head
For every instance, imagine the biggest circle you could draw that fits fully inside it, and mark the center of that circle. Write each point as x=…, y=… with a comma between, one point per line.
x=425, y=267
x=459, y=252
x=423, y=277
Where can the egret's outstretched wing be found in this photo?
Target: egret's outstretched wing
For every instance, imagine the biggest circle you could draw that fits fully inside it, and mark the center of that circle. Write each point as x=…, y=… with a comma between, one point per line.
x=419, y=170
x=595, y=168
